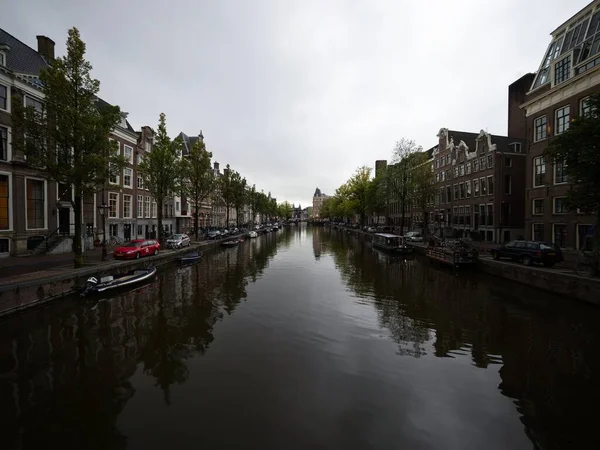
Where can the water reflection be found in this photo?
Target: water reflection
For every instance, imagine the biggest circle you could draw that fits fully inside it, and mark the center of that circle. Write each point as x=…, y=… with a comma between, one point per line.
x=547, y=346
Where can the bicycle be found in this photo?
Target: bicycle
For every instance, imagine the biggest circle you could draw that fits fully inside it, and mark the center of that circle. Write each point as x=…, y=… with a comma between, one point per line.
x=587, y=264
x=116, y=240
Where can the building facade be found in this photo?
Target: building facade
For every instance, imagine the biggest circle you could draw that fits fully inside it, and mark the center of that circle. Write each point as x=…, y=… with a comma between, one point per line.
x=318, y=199
x=568, y=74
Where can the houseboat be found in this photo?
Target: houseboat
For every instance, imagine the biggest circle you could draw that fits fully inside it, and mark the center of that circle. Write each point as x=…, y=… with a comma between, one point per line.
x=455, y=252
x=391, y=243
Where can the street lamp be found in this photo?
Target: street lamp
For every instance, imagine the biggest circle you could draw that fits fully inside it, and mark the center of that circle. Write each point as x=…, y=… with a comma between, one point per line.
x=102, y=209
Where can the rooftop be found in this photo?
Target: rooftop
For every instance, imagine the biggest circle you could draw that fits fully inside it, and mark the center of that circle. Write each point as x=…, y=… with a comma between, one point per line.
x=21, y=58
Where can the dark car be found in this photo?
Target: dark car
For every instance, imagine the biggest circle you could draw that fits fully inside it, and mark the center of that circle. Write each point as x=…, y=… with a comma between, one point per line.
x=529, y=252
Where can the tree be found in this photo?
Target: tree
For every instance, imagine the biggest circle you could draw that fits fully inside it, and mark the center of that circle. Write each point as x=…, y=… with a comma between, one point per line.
x=325, y=211
x=400, y=182
x=376, y=196
x=162, y=169
x=285, y=210
x=358, y=187
x=69, y=137
x=198, y=176
x=227, y=183
x=253, y=202
x=424, y=186
x=239, y=195
x=577, y=151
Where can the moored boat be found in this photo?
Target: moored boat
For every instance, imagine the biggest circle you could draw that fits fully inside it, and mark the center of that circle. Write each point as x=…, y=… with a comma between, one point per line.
x=109, y=283
x=230, y=243
x=455, y=252
x=252, y=234
x=191, y=258
x=391, y=243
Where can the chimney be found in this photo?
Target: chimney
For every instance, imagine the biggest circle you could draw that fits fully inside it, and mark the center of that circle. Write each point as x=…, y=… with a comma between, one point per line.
x=46, y=47
x=216, y=166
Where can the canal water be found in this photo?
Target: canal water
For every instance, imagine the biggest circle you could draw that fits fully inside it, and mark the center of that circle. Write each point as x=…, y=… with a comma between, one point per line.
x=304, y=339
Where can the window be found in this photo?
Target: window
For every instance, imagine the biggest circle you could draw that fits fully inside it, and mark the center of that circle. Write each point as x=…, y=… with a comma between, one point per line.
x=462, y=170
x=3, y=144
x=490, y=216
x=539, y=171
x=560, y=235
x=455, y=192
x=442, y=195
x=482, y=163
x=468, y=168
x=437, y=163
x=127, y=176
x=562, y=119
x=140, y=182
x=36, y=104
x=442, y=162
x=562, y=70
x=490, y=185
x=507, y=184
x=140, y=206
x=113, y=205
x=560, y=172
x=584, y=106
x=514, y=147
x=128, y=153
x=4, y=202
x=461, y=188
x=468, y=189
x=448, y=174
x=442, y=177
x=537, y=232
x=154, y=209
x=36, y=200
x=127, y=206
x=177, y=206
x=538, y=206
x=490, y=161
x=475, y=165
x=541, y=129
x=140, y=230
x=437, y=177
x=448, y=194
x=508, y=161
x=2, y=59
x=448, y=159
x=147, y=207
x=3, y=97
x=560, y=205
x=4, y=245
x=483, y=186
x=138, y=159
x=476, y=187
x=456, y=172
x=148, y=146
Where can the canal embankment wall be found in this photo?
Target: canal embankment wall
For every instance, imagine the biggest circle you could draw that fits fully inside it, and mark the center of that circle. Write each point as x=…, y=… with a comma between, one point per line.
x=42, y=287
x=560, y=282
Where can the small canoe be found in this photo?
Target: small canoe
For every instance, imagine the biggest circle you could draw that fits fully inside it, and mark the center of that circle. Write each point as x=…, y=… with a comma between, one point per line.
x=230, y=243
x=109, y=283
x=191, y=258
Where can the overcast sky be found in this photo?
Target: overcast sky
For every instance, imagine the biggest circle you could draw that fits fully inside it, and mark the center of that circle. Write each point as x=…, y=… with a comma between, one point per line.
x=298, y=94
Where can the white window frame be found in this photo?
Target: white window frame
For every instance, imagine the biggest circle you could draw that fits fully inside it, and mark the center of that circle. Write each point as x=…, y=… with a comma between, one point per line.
x=140, y=211
x=554, y=205
x=45, y=203
x=127, y=216
x=8, y=98
x=10, y=202
x=534, y=174
x=581, y=105
x=154, y=210
x=533, y=228
x=147, y=207
x=116, y=216
x=118, y=177
x=8, y=143
x=533, y=200
x=554, y=175
x=130, y=158
x=130, y=185
x=487, y=181
x=535, y=127
x=140, y=182
x=148, y=146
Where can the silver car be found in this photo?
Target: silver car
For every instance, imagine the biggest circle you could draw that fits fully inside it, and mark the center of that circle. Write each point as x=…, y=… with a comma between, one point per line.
x=178, y=241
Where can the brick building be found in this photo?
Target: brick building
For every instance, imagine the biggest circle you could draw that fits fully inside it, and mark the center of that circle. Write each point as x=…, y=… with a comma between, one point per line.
x=568, y=74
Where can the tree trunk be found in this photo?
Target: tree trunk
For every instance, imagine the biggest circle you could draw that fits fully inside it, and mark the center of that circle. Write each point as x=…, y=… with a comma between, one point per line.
x=402, y=218
x=227, y=215
x=77, y=249
x=196, y=219
x=425, y=223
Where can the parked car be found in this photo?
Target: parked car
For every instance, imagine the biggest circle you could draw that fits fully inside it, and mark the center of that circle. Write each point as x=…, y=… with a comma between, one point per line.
x=413, y=236
x=214, y=234
x=137, y=248
x=529, y=252
x=178, y=241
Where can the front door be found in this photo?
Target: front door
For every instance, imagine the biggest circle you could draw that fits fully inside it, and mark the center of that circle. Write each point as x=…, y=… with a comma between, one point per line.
x=64, y=217
x=127, y=232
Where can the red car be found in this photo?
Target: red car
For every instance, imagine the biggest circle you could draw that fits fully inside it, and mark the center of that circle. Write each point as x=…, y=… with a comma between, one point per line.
x=137, y=248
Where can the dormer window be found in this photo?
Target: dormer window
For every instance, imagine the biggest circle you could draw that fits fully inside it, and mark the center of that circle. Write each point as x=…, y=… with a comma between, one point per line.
x=562, y=70
x=4, y=49
x=2, y=59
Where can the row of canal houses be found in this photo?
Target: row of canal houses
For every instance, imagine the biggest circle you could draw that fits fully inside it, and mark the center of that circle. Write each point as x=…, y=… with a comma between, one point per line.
x=499, y=188
x=35, y=209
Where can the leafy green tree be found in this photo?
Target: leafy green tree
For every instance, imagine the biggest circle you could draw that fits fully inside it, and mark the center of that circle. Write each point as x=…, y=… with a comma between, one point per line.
x=162, y=169
x=239, y=195
x=198, y=177
x=253, y=202
x=69, y=138
x=358, y=192
x=325, y=212
x=577, y=151
x=377, y=196
x=285, y=210
x=424, y=186
x=399, y=175
x=228, y=186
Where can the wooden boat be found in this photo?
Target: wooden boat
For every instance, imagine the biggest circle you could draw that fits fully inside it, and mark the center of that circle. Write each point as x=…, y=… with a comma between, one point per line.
x=109, y=283
x=191, y=258
x=252, y=234
x=230, y=243
x=391, y=243
x=455, y=253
